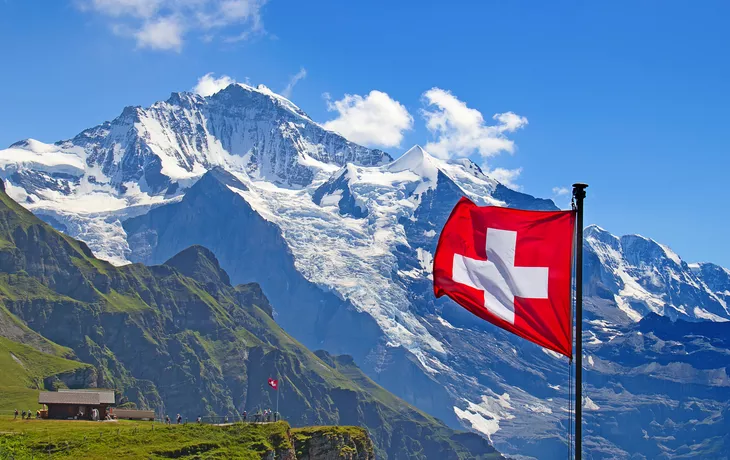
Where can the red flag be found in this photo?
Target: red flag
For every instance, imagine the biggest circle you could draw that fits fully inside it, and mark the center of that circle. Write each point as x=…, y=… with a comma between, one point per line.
x=273, y=383
x=510, y=267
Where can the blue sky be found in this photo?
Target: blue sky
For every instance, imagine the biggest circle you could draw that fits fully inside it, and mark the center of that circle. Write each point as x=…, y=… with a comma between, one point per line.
x=631, y=97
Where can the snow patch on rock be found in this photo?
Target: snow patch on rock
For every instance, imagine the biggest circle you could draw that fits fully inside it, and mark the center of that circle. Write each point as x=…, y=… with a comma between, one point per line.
x=484, y=417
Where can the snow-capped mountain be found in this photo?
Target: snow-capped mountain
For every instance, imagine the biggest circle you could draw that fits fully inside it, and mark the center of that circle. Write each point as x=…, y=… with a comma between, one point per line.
x=174, y=142
x=341, y=238
x=644, y=276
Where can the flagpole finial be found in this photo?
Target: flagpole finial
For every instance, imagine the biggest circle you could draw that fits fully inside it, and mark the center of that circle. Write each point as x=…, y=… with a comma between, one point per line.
x=579, y=191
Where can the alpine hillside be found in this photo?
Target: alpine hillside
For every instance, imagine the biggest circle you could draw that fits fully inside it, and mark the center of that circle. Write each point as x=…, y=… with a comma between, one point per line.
x=180, y=338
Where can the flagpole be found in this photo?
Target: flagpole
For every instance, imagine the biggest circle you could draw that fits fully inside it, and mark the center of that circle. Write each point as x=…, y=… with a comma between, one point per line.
x=579, y=193
x=278, y=389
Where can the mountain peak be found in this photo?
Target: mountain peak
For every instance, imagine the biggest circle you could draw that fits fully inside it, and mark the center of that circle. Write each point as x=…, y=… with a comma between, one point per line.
x=199, y=263
x=185, y=98
x=221, y=175
x=648, y=248
x=34, y=146
x=235, y=90
x=417, y=161
x=632, y=243
x=598, y=232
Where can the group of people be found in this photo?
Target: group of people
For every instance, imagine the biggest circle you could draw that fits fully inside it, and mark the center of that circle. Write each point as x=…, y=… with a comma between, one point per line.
x=27, y=415
x=178, y=419
x=94, y=414
x=259, y=417
x=266, y=416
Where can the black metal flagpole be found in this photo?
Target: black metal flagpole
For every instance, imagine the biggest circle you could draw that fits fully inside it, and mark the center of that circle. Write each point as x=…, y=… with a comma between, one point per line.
x=579, y=193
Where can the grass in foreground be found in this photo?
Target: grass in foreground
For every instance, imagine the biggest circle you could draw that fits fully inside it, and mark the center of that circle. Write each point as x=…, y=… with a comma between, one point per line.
x=127, y=439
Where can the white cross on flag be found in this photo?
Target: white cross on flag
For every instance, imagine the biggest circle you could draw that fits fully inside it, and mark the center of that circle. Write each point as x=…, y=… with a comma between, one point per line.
x=273, y=383
x=510, y=267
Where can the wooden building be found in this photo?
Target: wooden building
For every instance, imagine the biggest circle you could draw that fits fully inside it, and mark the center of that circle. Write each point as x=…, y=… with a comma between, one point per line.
x=77, y=404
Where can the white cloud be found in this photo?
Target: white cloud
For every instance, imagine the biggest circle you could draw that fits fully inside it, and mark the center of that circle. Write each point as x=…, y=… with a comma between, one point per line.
x=373, y=120
x=506, y=177
x=293, y=81
x=560, y=191
x=138, y=8
x=161, y=34
x=230, y=12
x=164, y=24
x=208, y=85
x=461, y=131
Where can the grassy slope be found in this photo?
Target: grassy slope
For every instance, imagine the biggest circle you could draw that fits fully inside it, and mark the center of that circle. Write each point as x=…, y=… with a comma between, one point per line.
x=23, y=371
x=16, y=330
x=127, y=439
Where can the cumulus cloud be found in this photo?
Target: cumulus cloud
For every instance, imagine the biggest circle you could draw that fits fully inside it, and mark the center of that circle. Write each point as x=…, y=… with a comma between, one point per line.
x=286, y=92
x=208, y=85
x=137, y=8
x=161, y=34
x=506, y=177
x=372, y=120
x=461, y=131
x=560, y=191
x=165, y=24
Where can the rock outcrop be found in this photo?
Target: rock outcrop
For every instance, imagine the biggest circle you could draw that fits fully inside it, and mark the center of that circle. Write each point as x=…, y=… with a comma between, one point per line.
x=333, y=443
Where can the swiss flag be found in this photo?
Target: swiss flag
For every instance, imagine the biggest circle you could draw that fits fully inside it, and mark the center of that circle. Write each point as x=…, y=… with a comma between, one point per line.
x=512, y=268
x=273, y=383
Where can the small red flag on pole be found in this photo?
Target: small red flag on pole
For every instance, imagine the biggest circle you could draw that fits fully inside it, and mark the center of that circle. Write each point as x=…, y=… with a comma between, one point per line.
x=273, y=383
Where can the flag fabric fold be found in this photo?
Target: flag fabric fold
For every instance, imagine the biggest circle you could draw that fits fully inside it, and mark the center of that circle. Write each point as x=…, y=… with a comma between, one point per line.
x=273, y=383
x=510, y=267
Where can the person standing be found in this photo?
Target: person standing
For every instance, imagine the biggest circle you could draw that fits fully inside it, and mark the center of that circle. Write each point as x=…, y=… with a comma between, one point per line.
x=16, y=415
x=179, y=419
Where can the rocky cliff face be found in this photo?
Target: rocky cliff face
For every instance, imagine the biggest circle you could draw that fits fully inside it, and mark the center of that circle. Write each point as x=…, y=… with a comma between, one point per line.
x=332, y=443
x=85, y=377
